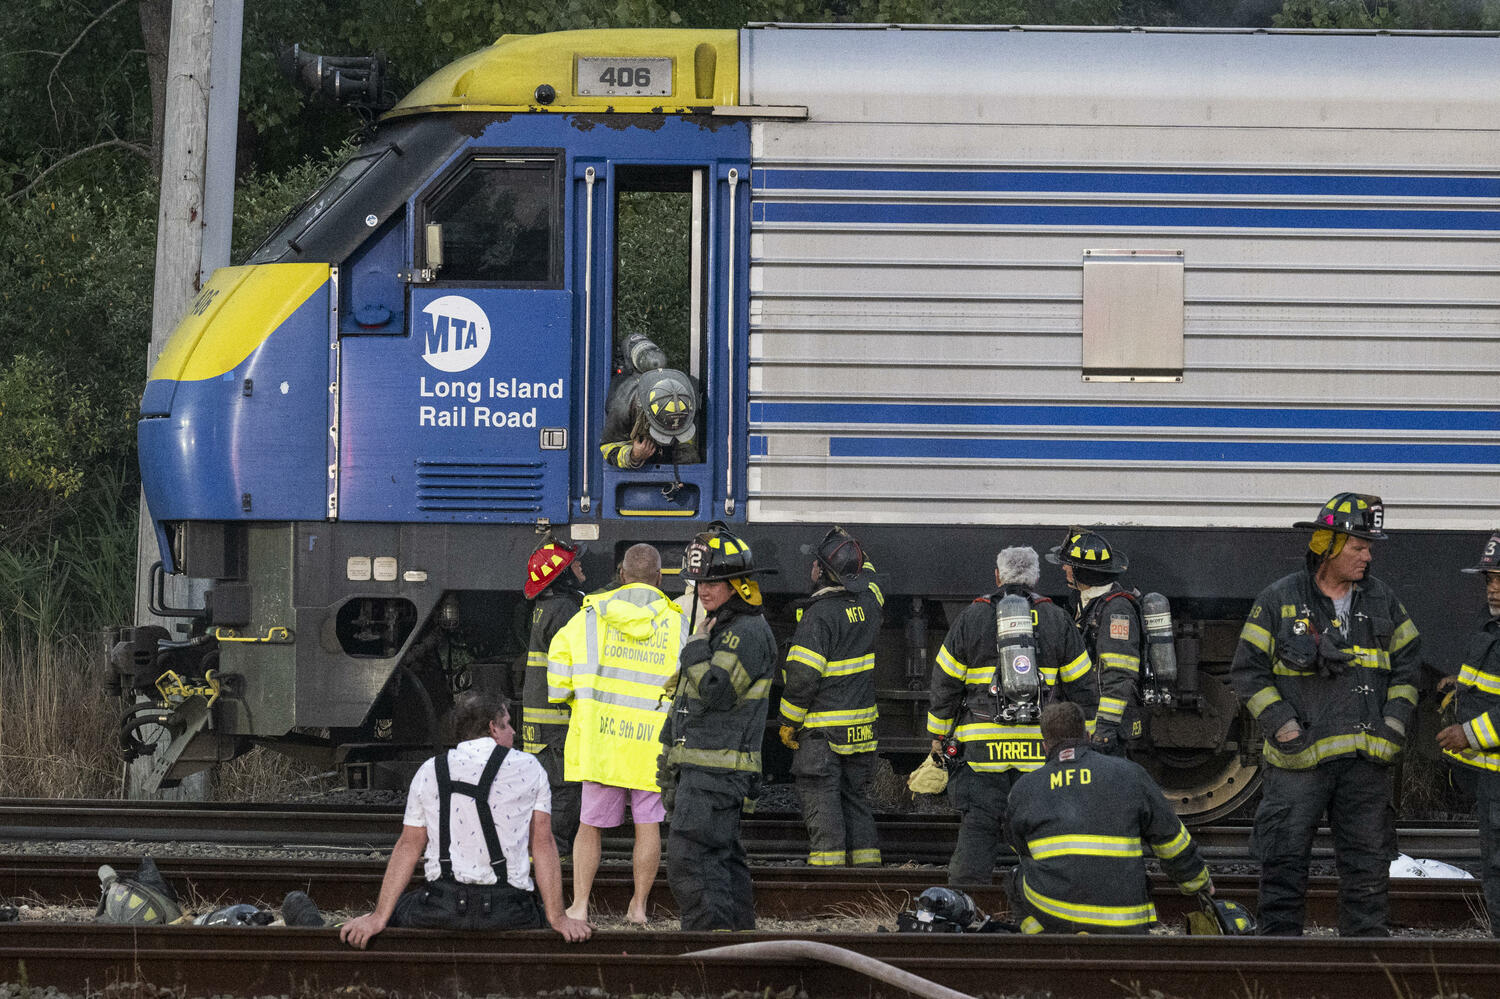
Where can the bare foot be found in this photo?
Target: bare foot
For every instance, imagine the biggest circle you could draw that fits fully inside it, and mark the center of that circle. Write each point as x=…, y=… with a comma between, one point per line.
x=637, y=915
x=579, y=912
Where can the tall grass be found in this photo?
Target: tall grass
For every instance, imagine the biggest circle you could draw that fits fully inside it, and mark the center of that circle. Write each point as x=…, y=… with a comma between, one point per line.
x=59, y=590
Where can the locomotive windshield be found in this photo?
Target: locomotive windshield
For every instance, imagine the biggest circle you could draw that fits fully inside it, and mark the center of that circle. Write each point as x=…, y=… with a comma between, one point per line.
x=296, y=224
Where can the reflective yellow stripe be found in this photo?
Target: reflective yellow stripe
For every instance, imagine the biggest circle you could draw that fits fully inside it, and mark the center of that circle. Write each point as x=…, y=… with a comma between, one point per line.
x=1030, y=925
x=1332, y=747
x=1405, y=691
x=723, y=759
x=1481, y=761
x=1077, y=669
x=546, y=716
x=536, y=659
x=848, y=667
x=1281, y=669
x=827, y=719
x=1257, y=636
x=949, y=665
x=792, y=712
x=1403, y=635
x=826, y=858
x=988, y=731
x=939, y=727
x=1484, y=731
x=1111, y=708
x=1080, y=845
x=1117, y=660
x=1488, y=683
x=807, y=657
x=1173, y=846
x=869, y=856
x=854, y=748
x=1263, y=698
x=1196, y=882
x=1371, y=658
x=1288, y=610
x=875, y=589
x=1094, y=915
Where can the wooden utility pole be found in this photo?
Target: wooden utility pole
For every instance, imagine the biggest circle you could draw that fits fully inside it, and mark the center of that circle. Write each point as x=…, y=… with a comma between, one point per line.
x=193, y=223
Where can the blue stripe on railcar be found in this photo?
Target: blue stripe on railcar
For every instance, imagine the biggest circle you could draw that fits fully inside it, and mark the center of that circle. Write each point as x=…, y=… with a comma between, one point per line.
x=1225, y=417
x=1258, y=452
x=1103, y=182
x=1124, y=216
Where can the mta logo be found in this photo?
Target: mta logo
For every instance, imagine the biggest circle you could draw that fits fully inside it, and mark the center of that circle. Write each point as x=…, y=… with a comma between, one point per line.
x=456, y=335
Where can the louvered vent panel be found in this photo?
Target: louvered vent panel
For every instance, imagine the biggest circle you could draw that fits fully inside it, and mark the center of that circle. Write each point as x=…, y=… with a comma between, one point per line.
x=475, y=487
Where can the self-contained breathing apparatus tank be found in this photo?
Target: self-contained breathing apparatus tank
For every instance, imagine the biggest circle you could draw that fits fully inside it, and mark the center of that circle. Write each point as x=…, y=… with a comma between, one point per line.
x=1017, y=686
x=1161, y=651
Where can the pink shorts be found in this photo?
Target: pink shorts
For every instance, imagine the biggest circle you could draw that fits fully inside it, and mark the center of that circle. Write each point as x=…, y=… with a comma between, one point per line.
x=603, y=805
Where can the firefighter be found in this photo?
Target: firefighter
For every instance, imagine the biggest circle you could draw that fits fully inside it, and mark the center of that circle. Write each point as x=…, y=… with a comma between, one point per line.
x=997, y=732
x=553, y=575
x=1080, y=824
x=650, y=408
x=828, y=703
x=1475, y=740
x=1109, y=616
x=612, y=661
x=1327, y=663
x=712, y=737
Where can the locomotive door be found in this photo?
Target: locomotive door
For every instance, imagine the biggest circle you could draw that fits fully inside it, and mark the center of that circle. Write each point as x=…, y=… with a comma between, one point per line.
x=466, y=416
x=661, y=252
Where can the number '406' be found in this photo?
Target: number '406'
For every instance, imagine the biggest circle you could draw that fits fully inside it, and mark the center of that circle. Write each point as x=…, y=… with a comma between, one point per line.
x=626, y=76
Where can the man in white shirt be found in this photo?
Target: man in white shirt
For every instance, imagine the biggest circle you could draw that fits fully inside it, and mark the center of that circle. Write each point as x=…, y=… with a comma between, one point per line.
x=475, y=859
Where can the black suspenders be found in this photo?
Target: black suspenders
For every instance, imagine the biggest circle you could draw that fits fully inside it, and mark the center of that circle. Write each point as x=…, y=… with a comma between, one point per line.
x=480, y=792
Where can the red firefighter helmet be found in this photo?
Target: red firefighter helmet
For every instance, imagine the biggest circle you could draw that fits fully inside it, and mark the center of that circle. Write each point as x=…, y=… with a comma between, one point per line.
x=547, y=563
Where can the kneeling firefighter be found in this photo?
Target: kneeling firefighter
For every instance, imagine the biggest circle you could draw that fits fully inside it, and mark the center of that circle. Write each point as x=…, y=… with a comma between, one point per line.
x=710, y=760
x=1007, y=654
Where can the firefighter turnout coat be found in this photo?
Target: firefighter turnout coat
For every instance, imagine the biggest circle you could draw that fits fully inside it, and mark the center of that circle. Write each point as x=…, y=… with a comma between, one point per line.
x=721, y=696
x=830, y=668
x=611, y=661
x=1112, y=632
x=1339, y=680
x=1080, y=825
x=543, y=723
x=1478, y=698
x=960, y=694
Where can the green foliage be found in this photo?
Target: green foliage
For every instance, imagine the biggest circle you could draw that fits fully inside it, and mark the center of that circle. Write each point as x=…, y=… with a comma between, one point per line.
x=1437, y=15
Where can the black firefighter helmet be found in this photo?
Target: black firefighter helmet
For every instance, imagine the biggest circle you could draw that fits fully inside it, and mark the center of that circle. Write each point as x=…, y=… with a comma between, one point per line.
x=1085, y=549
x=839, y=553
x=716, y=554
x=1354, y=514
x=1489, y=556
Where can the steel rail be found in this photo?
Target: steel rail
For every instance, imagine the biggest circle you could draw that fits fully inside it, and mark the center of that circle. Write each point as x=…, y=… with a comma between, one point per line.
x=917, y=838
x=780, y=892
x=200, y=961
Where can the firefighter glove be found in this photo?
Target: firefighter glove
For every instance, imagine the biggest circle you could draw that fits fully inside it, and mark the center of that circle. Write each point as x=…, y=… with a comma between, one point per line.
x=787, y=740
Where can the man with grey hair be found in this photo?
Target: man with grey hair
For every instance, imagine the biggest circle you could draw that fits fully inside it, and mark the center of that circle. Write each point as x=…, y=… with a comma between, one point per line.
x=996, y=729
x=611, y=662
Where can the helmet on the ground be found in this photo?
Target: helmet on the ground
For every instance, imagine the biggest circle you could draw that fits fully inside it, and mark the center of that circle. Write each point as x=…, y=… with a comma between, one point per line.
x=129, y=900
x=547, y=563
x=1489, y=556
x=716, y=554
x=1220, y=917
x=670, y=405
x=1085, y=549
x=1353, y=514
x=839, y=553
x=241, y=914
x=948, y=905
x=643, y=354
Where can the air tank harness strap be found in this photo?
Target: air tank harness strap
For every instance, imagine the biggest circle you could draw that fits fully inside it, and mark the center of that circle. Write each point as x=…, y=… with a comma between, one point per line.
x=480, y=792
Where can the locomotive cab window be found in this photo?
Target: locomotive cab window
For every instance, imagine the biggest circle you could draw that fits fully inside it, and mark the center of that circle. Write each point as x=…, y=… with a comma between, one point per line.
x=496, y=221
x=659, y=298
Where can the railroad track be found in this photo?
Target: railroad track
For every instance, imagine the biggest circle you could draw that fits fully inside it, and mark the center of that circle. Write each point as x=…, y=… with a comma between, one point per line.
x=200, y=961
x=914, y=838
x=781, y=892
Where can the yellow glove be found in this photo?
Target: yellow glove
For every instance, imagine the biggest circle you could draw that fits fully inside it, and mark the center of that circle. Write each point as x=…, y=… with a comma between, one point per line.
x=786, y=737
